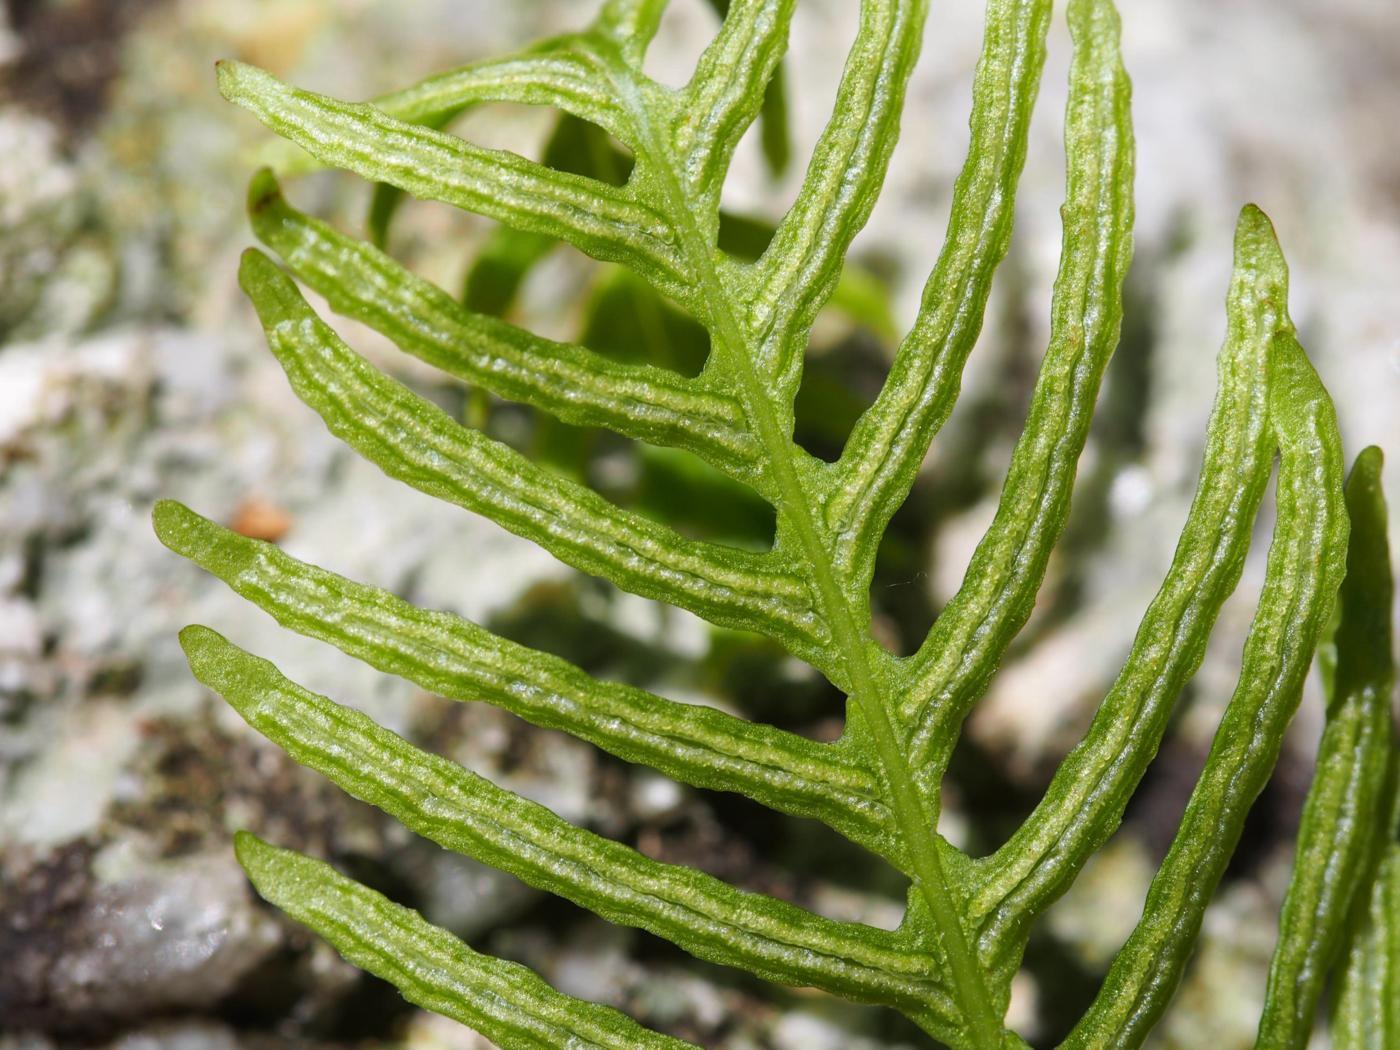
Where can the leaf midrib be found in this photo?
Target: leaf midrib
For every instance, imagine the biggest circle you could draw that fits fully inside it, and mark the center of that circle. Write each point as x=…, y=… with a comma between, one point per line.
x=795, y=504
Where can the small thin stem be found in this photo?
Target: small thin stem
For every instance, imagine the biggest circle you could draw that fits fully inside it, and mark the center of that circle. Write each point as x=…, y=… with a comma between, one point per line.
x=795, y=505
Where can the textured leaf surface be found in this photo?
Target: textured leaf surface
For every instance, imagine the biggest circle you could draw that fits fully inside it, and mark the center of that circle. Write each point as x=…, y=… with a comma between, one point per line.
x=504, y=1001
x=604, y=221
x=1092, y=787
x=459, y=810
x=967, y=641
x=891, y=438
x=799, y=270
x=737, y=299
x=567, y=381
x=413, y=440
x=451, y=656
x=1346, y=802
x=729, y=90
x=1306, y=562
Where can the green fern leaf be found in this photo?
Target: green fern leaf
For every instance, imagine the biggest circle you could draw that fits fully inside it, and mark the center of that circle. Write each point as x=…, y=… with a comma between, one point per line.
x=1349, y=844
x=756, y=292
x=503, y=1001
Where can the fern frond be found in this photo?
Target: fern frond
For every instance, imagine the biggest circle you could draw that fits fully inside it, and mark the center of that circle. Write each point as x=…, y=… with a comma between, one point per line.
x=696, y=745
x=1349, y=819
x=1091, y=789
x=604, y=221
x=1306, y=563
x=503, y=1001
x=568, y=381
x=413, y=440
x=950, y=964
x=461, y=811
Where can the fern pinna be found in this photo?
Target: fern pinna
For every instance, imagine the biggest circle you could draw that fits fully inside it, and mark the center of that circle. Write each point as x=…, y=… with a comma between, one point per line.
x=949, y=965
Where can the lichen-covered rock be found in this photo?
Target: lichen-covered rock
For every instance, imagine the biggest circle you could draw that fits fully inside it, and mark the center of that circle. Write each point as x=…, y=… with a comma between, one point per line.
x=88, y=950
x=130, y=369
x=39, y=211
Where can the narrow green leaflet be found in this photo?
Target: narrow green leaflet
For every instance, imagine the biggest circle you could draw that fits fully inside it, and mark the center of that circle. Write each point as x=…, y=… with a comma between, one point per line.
x=800, y=268
x=413, y=440
x=567, y=381
x=728, y=91
x=890, y=440
x=632, y=24
x=461, y=811
x=574, y=139
x=1092, y=787
x=1306, y=562
x=604, y=221
x=774, y=131
x=1346, y=801
x=504, y=1001
x=966, y=642
x=502, y=263
x=450, y=656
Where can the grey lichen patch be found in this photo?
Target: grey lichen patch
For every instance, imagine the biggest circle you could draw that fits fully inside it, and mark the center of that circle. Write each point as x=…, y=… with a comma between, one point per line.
x=40, y=210
x=197, y=782
x=150, y=913
x=86, y=954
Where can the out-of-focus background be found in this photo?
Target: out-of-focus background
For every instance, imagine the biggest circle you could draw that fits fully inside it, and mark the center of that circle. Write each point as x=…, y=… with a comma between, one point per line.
x=131, y=369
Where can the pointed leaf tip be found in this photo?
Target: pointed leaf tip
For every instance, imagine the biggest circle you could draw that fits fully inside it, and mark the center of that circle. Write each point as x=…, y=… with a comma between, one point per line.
x=253, y=264
x=263, y=190
x=169, y=519
x=252, y=854
x=1252, y=213
x=195, y=537
x=1255, y=234
x=241, y=678
x=274, y=295
x=233, y=77
x=199, y=641
x=273, y=871
x=1369, y=463
x=1254, y=222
